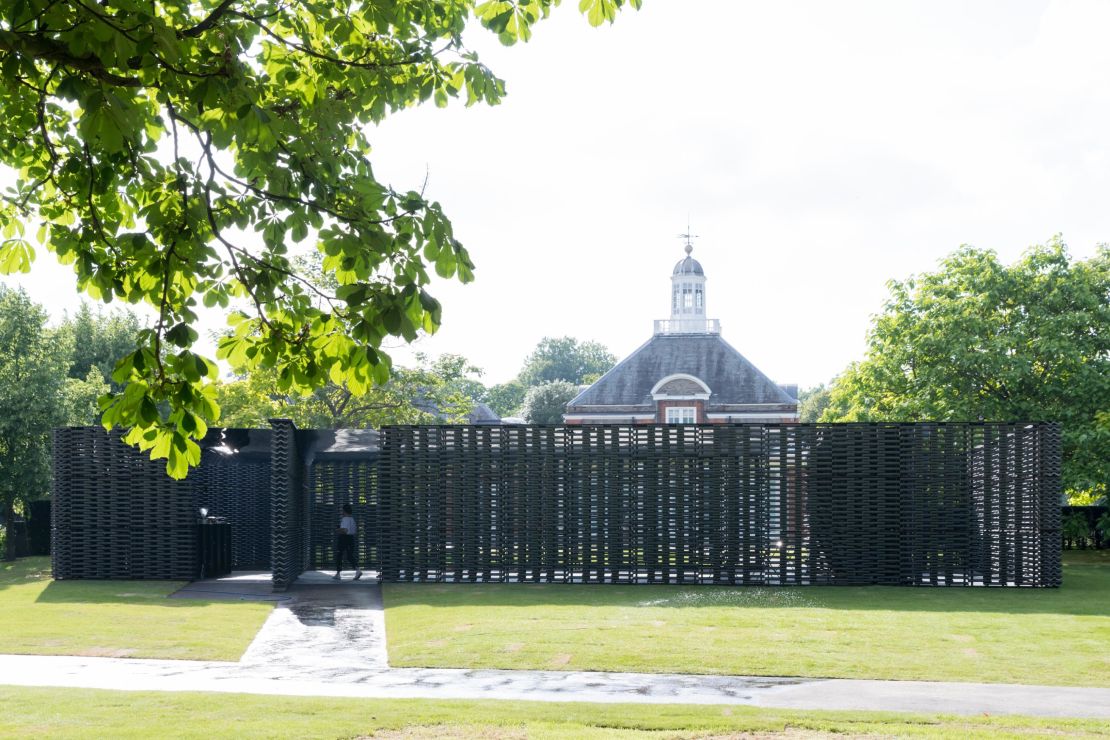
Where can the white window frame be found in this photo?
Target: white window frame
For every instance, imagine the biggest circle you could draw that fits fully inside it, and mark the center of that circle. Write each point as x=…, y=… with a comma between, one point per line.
x=682, y=415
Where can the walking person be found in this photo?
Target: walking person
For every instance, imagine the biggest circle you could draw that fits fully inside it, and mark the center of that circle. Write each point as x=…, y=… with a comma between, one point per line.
x=346, y=543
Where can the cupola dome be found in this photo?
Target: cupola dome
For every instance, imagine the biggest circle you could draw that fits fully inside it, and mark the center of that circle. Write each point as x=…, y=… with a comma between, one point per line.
x=688, y=265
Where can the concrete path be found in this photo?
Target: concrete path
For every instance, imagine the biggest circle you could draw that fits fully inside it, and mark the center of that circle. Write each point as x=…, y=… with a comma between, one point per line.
x=327, y=631
x=328, y=639
x=903, y=696
x=320, y=628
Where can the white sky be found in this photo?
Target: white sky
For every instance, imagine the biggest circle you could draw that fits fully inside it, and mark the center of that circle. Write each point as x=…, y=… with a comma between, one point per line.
x=819, y=149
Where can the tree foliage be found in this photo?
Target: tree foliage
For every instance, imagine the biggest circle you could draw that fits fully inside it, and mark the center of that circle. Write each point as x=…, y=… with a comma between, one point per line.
x=171, y=151
x=33, y=364
x=505, y=398
x=554, y=359
x=566, y=358
x=980, y=340
x=100, y=340
x=81, y=396
x=433, y=392
x=812, y=402
x=546, y=403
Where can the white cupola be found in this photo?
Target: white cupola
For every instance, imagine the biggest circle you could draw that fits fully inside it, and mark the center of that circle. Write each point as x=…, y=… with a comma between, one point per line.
x=687, y=300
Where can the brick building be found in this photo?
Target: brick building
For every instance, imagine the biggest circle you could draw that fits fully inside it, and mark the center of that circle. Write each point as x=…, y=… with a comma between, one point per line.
x=685, y=374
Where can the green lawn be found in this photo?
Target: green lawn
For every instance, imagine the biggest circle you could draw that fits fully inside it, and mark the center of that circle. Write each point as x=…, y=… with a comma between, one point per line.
x=96, y=714
x=1043, y=636
x=117, y=618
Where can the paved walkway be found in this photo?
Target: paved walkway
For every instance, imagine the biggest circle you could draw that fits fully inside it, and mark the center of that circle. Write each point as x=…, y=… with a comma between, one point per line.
x=328, y=639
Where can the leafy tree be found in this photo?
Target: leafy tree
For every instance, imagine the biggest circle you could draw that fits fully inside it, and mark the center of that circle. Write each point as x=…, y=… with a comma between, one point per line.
x=1075, y=530
x=1102, y=524
x=554, y=359
x=812, y=402
x=565, y=358
x=427, y=394
x=79, y=397
x=982, y=340
x=506, y=398
x=546, y=403
x=100, y=339
x=33, y=364
x=172, y=151
x=460, y=379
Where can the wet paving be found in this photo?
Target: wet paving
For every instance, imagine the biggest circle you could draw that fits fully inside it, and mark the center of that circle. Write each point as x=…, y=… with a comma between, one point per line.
x=325, y=629
x=254, y=585
x=291, y=680
x=327, y=638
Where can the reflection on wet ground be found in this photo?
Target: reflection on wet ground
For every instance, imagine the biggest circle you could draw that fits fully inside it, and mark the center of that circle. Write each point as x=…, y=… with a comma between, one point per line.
x=325, y=625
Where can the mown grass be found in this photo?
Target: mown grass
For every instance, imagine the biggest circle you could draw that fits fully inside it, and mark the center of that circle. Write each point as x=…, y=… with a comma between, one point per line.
x=1033, y=636
x=117, y=618
x=91, y=713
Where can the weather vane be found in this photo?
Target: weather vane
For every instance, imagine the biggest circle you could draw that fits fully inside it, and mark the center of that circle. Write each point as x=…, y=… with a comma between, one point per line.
x=689, y=236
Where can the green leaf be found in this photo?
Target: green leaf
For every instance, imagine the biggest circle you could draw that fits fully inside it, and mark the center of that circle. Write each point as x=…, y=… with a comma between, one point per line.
x=598, y=11
x=16, y=255
x=181, y=335
x=445, y=265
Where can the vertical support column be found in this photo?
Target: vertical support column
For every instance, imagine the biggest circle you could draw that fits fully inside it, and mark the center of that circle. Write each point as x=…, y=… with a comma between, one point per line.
x=385, y=484
x=1050, y=491
x=60, y=497
x=286, y=504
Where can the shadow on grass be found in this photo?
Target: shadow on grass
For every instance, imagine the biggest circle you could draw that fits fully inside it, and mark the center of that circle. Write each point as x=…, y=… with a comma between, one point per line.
x=35, y=571
x=21, y=571
x=1087, y=557
x=115, y=592
x=1085, y=592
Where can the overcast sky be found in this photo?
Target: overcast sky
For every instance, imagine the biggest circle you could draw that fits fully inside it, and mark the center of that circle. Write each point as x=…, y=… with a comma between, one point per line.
x=819, y=149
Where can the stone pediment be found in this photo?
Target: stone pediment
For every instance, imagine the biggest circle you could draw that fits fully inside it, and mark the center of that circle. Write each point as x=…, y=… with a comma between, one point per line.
x=680, y=387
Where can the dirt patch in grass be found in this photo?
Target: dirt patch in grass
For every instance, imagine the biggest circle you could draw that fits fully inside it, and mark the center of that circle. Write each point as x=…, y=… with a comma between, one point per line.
x=560, y=660
x=106, y=652
x=445, y=732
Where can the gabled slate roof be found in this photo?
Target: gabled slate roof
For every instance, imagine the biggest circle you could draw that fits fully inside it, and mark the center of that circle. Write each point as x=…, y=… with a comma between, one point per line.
x=731, y=378
x=479, y=414
x=483, y=414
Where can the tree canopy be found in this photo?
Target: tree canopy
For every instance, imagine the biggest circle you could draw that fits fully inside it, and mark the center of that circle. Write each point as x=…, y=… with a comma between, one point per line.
x=563, y=359
x=172, y=151
x=429, y=393
x=546, y=403
x=566, y=358
x=980, y=340
x=812, y=402
x=100, y=340
x=33, y=365
x=505, y=398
